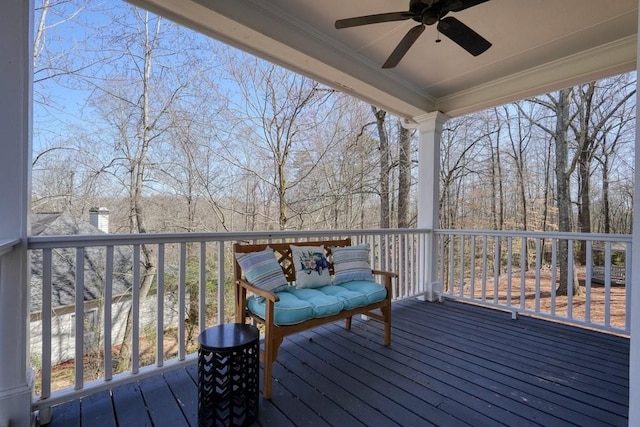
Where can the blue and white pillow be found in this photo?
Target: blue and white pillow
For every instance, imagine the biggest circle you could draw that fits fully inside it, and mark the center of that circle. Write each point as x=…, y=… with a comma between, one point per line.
x=262, y=270
x=351, y=263
x=311, y=266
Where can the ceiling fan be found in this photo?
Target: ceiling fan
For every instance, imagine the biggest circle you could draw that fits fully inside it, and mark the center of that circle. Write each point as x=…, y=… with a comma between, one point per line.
x=426, y=12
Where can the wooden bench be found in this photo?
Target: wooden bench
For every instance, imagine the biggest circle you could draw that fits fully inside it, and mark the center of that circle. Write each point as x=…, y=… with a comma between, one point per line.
x=274, y=333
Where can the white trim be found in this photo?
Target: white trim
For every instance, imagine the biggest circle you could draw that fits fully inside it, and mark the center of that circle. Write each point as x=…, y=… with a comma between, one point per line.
x=634, y=350
x=565, y=72
x=16, y=68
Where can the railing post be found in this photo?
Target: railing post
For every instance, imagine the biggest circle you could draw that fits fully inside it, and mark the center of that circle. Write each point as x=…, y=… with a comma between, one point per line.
x=430, y=130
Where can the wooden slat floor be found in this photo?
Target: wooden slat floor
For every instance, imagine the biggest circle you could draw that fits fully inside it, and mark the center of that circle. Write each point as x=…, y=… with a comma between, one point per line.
x=450, y=364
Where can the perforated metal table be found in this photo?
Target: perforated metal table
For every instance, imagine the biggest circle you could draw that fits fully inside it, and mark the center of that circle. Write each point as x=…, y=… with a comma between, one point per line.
x=228, y=372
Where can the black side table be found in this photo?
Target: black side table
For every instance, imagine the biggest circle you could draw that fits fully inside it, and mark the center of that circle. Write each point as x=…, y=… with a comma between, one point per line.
x=228, y=371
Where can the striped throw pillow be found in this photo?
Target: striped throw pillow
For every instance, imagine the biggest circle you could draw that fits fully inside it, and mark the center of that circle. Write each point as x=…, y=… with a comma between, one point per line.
x=262, y=270
x=351, y=263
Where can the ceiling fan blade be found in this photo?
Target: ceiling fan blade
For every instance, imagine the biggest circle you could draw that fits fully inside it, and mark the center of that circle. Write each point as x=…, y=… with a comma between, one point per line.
x=464, y=36
x=373, y=19
x=405, y=44
x=465, y=4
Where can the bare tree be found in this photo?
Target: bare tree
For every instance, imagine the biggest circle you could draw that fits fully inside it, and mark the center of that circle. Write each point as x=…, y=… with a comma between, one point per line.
x=561, y=106
x=135, y=99
x=273, y=117
x=597, y=103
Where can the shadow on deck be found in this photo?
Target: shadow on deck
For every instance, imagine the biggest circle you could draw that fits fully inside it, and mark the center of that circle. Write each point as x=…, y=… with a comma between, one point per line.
x=449, y=364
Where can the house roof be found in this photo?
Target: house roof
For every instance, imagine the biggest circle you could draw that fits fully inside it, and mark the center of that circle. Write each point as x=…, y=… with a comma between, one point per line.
x=63, y=263
x=538, y=46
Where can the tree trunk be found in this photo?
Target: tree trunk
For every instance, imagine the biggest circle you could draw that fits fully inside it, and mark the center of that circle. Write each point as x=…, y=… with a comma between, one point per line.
x=584, y=216
x=404, y=176
x=138, y=166
x=384, y=167
x=605, y=195
x=564, y=191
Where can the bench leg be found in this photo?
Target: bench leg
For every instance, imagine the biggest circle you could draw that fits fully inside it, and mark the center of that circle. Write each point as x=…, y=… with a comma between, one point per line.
x=347, y=323
x=270, y=354
x=386, y=315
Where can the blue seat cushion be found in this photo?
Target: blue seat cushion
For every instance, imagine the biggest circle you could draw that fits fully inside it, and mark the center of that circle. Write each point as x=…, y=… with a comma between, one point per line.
x=298, y=305
x=373, y=291
x=351, y=299
x=288, y=311
x=323, y=304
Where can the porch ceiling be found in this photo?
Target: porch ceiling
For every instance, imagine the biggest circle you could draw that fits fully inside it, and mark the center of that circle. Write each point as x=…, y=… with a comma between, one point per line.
x=538, y=46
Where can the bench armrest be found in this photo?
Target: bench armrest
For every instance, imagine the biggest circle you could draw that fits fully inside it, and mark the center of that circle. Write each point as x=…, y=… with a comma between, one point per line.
x=386, y=279
x=385, y=273
x=257, y=291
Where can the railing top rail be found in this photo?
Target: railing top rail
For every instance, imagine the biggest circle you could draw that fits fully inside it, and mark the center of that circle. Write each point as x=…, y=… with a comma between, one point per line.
x=7, y=244
x=84, y=240
x=539, y=234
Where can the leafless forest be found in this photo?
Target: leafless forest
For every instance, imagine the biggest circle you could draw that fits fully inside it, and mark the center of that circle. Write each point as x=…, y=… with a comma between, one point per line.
x=195, y=135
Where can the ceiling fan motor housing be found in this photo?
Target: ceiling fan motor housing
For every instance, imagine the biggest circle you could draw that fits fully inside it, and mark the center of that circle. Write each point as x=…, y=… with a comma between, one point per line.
x=429, y=12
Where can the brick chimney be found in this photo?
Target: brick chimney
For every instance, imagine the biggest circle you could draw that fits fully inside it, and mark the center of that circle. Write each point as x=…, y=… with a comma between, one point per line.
x=99, y=217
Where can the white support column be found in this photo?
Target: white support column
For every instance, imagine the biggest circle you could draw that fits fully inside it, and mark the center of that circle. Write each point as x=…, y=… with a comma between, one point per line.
x=16, y=74
x=634, y=361
x=430, y=131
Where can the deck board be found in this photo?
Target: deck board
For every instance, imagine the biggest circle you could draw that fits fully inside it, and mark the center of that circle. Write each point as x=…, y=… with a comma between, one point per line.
x=161, y=403
x=97, y=410
x=66, y=415
x=450, y=364
x=129, y=405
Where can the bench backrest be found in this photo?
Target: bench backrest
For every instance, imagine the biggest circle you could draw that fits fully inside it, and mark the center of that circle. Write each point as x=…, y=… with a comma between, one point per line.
x=284, y=255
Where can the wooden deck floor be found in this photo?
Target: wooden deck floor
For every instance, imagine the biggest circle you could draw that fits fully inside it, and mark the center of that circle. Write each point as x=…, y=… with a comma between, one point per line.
x=450, y=364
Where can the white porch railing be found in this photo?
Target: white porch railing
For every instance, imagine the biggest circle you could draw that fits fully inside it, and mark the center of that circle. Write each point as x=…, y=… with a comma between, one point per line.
x=194, y=270
x=526, y=278
x=187, y=261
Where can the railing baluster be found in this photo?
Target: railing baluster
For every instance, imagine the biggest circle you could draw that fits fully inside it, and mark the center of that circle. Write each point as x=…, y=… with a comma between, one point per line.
x=408, y=264
x=451, y=264
x=496, y=269
x=430, y=261
x=79, y=323
x=484, y=267
x=523, y=272
x=182, y=286
x=587, y=282
x=472, y=284
x=607, y=284
x=46, y=322
x=135, y=312
x=160, y=306
x=107, y=316
x=538, y=265
x=628, y=278
x=554, y=274
x=462, y=239
x=570, y=271
x=220, y=283
x=202, y=288
x=509, y=269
